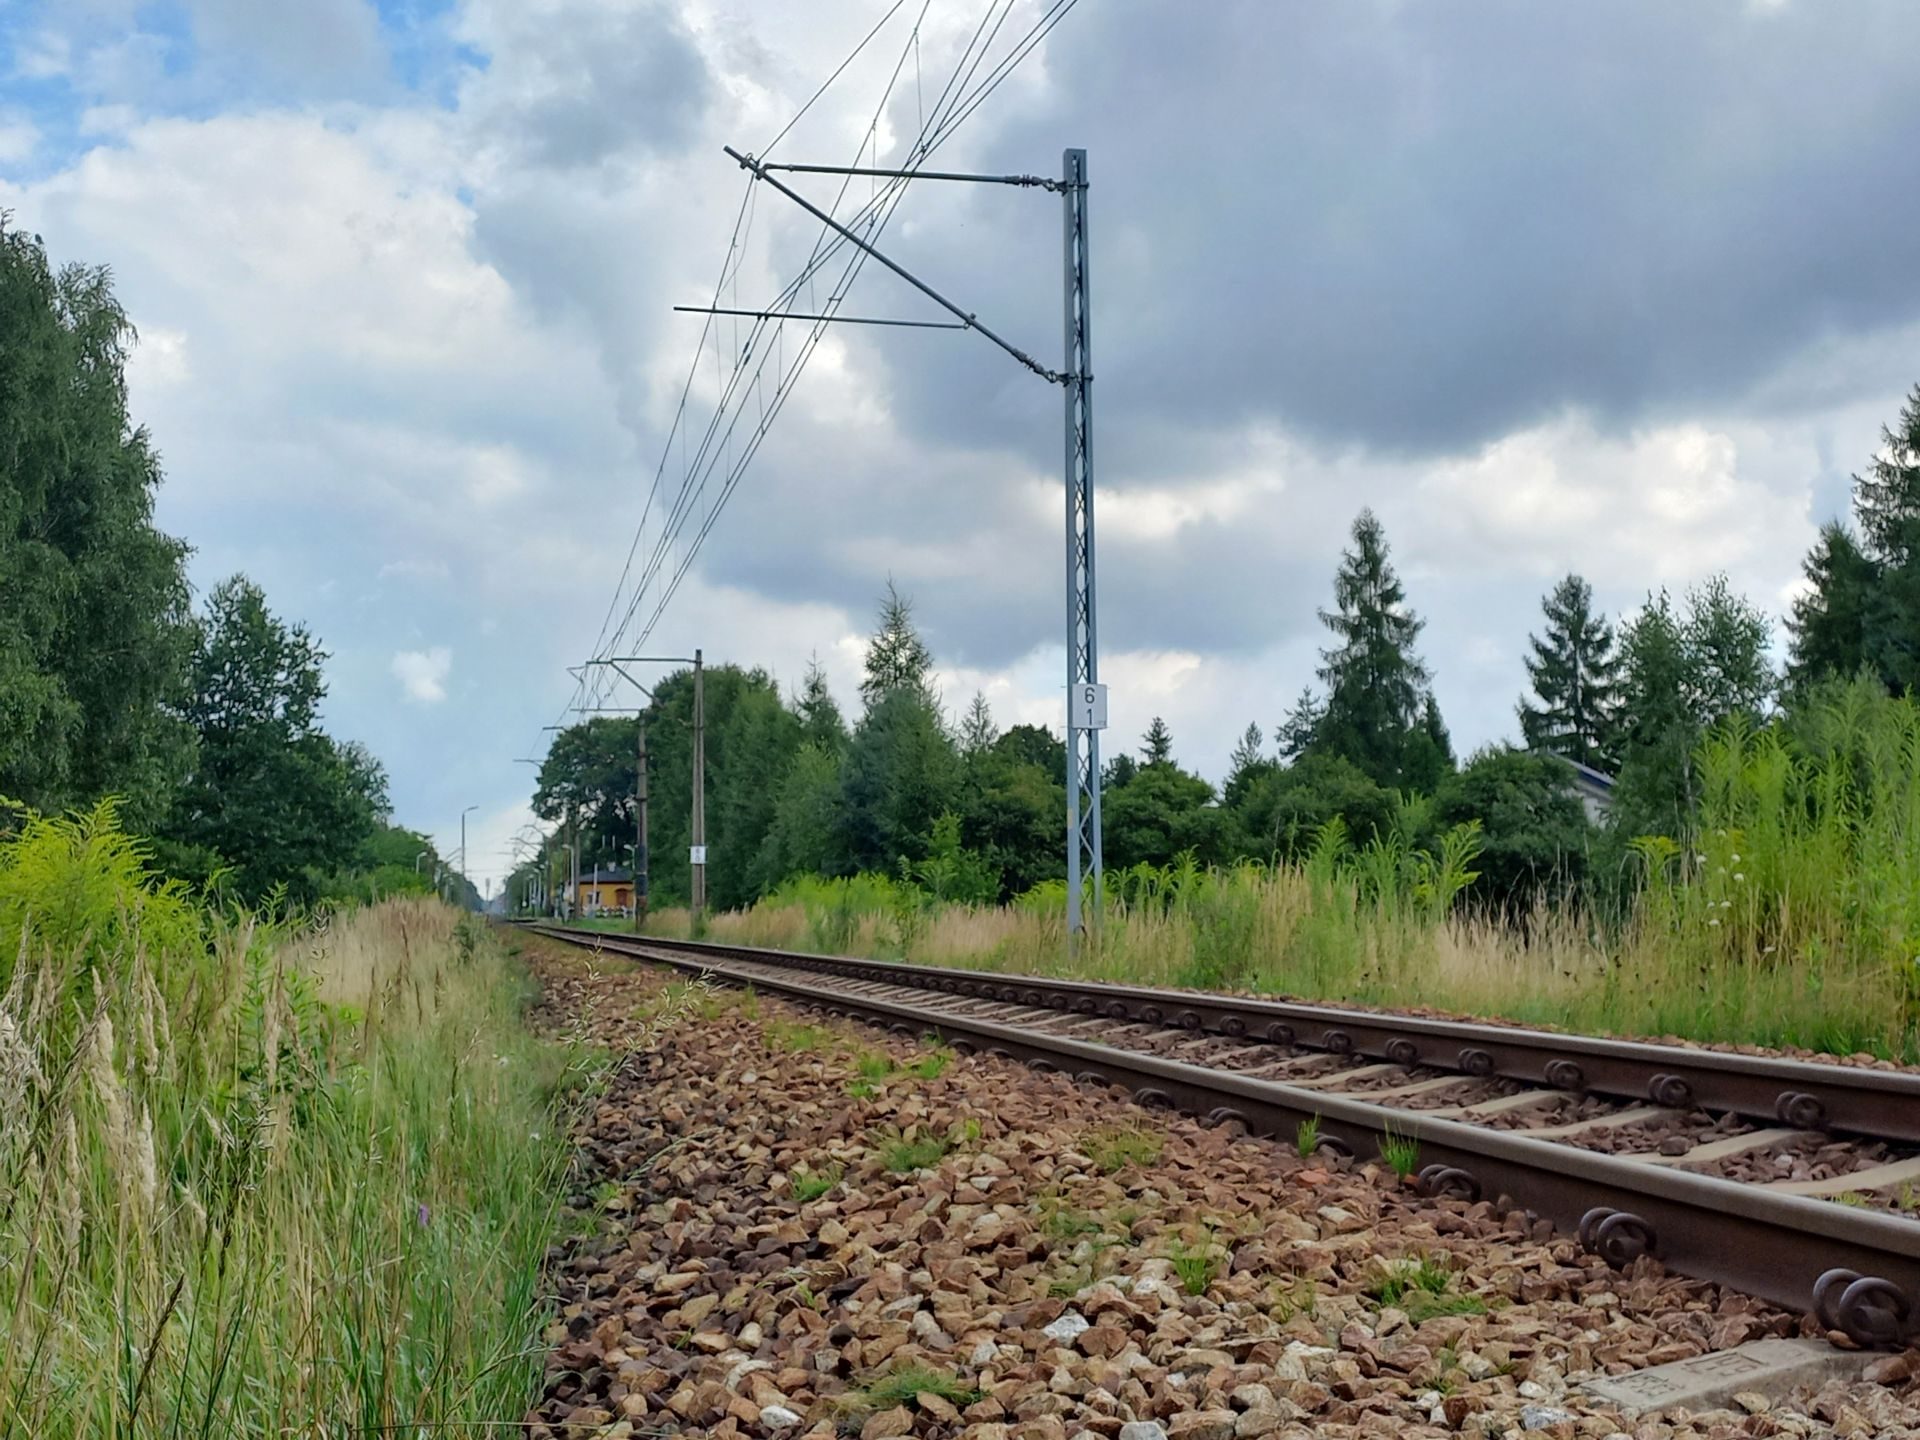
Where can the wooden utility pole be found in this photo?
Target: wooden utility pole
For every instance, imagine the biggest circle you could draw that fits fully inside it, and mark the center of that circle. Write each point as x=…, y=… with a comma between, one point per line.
x=640, y=833
x=697, y=840
x=698, y=854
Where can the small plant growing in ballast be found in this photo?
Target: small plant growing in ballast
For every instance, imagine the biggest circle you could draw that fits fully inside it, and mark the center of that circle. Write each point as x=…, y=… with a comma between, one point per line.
x=1197, y=1266
x=806, y=1185
x=902, y=1155
x=1306, y=1139
x=1401, y=1153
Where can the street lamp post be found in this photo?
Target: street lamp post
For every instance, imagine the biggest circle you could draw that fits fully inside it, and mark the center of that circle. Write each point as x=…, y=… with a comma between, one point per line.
x=463, y=840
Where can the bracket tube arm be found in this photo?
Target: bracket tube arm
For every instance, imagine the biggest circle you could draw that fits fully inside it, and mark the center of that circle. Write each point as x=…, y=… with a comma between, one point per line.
x=747, y=162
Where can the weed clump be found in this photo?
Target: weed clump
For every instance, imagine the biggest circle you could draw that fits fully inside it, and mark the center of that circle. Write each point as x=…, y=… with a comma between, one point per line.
x=809, y=1185
x=1115, y=1147
x=904, y=1384
x=902, y=1154
x=1423, y=1288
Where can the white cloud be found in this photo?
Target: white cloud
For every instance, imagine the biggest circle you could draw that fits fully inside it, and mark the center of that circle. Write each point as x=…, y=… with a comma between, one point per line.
x=423, y=674
x=43, y=56
x=382, y=339
x=18, y=140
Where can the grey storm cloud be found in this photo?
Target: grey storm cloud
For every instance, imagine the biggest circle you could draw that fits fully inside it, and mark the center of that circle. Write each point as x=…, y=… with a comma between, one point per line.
x=604, y=83
x=1415, y=228
x=1393, y=232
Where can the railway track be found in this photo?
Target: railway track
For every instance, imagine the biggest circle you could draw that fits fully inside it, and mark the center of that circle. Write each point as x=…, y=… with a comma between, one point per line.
x=1606, y=1139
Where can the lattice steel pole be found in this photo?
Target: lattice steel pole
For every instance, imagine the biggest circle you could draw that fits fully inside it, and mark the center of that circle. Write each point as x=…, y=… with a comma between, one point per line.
x=1083, y=631
x=1086, y=697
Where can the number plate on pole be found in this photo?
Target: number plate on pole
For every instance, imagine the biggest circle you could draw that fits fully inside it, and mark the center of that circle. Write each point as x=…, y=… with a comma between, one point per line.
x=1087, y=706
x=697, y=854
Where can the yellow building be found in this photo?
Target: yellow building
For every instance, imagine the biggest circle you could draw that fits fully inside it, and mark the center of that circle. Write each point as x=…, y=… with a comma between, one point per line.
x=604, y=890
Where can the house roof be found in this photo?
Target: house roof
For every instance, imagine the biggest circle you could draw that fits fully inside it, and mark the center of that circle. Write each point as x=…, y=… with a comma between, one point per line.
x=1585, y=776
x=605, y=875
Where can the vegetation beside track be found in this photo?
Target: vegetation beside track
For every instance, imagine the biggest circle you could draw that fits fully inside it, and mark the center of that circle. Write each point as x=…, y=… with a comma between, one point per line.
x=261, y=1177
x=1794, y=920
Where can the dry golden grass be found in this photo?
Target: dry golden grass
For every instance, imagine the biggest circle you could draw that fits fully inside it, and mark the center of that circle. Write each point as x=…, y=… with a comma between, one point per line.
x=1285, y=932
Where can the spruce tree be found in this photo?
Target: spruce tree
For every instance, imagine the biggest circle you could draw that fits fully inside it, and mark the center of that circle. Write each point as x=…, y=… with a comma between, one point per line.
x=1887, y=499
x=1245, y=766
x=1247, y=752
x=1575, y=672
x=1158, y=742
x=1375, y=682
x=897, y=658
x=1299, y=726
x=1829, y=623
x=1684, y=672
x=1428, y=757
x=820, y=722
x=977, y=730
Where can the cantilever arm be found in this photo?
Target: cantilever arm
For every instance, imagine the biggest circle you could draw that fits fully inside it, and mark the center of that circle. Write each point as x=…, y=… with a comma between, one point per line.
x=759, y=171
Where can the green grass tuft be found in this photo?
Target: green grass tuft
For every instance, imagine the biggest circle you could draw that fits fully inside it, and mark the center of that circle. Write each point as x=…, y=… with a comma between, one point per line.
x=1423, y=1288
x=805, y=1185
x=786, y=1035
x=1401, y=1153
x=1114, y=1148
x=1306, y=1139
x=903, y=1155
x=1197, y=1269
x=932, y=1065
x=901, y=1385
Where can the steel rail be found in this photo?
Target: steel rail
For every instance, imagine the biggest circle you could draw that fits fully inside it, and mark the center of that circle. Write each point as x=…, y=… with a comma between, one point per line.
x=1883, y=1104
x=1857, y=1271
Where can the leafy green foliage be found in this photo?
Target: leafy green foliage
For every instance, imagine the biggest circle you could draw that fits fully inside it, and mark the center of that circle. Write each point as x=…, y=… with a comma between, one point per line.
x=932, y=1065
x=96, y=635
x=1285, y=810
x=951, y=872
x=588, y=777
x=1160, y=812
x=900, y=775
x=1534, y=831
x=1832, y=621
x=199, y=1097
x=272, y=799
x=1196, y=1267
x=1011, y=805
x=1686, y=669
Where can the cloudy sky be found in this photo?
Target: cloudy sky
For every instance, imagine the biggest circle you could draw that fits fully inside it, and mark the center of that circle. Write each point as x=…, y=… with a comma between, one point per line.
x=1625, y=289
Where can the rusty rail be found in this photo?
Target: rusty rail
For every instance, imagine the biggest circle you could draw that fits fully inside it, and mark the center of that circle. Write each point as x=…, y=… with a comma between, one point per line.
x=1883, y=1104
x=1857, y=1270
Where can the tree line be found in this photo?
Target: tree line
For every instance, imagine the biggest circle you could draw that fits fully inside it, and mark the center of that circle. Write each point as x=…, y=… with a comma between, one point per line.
x=204, y=726
x=905, y=787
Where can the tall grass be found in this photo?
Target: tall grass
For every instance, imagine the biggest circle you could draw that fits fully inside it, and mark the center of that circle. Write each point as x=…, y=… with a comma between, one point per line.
x=260, y=1179
x=1791, y=916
